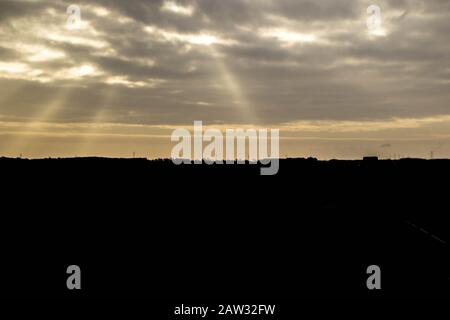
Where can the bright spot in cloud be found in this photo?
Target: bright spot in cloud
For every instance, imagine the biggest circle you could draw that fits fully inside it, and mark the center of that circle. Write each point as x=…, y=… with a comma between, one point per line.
x=77, y=40
x=379, y=32
x=118, y=80
x=194, y=39
x=288, y=36
x=202, y=103
x=83, y=71
x=203, y=39
x=46, y=55
x=13, y=67
x=34, y=52
x=100, y=11
x=17, y=70
x=172, y=6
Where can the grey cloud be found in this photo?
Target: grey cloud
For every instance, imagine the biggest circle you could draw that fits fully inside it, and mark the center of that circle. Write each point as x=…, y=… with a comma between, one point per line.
x=348, y=76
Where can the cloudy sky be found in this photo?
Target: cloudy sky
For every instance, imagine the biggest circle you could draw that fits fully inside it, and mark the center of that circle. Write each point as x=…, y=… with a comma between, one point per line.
x=124, y=75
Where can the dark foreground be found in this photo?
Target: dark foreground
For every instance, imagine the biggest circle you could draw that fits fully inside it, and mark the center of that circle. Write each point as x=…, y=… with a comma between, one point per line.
x=224, y=233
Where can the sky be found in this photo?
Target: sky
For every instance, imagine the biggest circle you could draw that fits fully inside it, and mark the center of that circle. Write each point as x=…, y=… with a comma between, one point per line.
x=125, y=74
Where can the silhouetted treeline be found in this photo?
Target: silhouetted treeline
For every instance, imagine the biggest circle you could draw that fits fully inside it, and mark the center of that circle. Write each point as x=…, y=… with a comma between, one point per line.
x=220, y=231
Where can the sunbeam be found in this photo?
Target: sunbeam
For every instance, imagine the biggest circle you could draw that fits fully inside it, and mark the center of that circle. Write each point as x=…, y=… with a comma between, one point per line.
x=20, y=141
x=87, y=143
x=234, y=88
